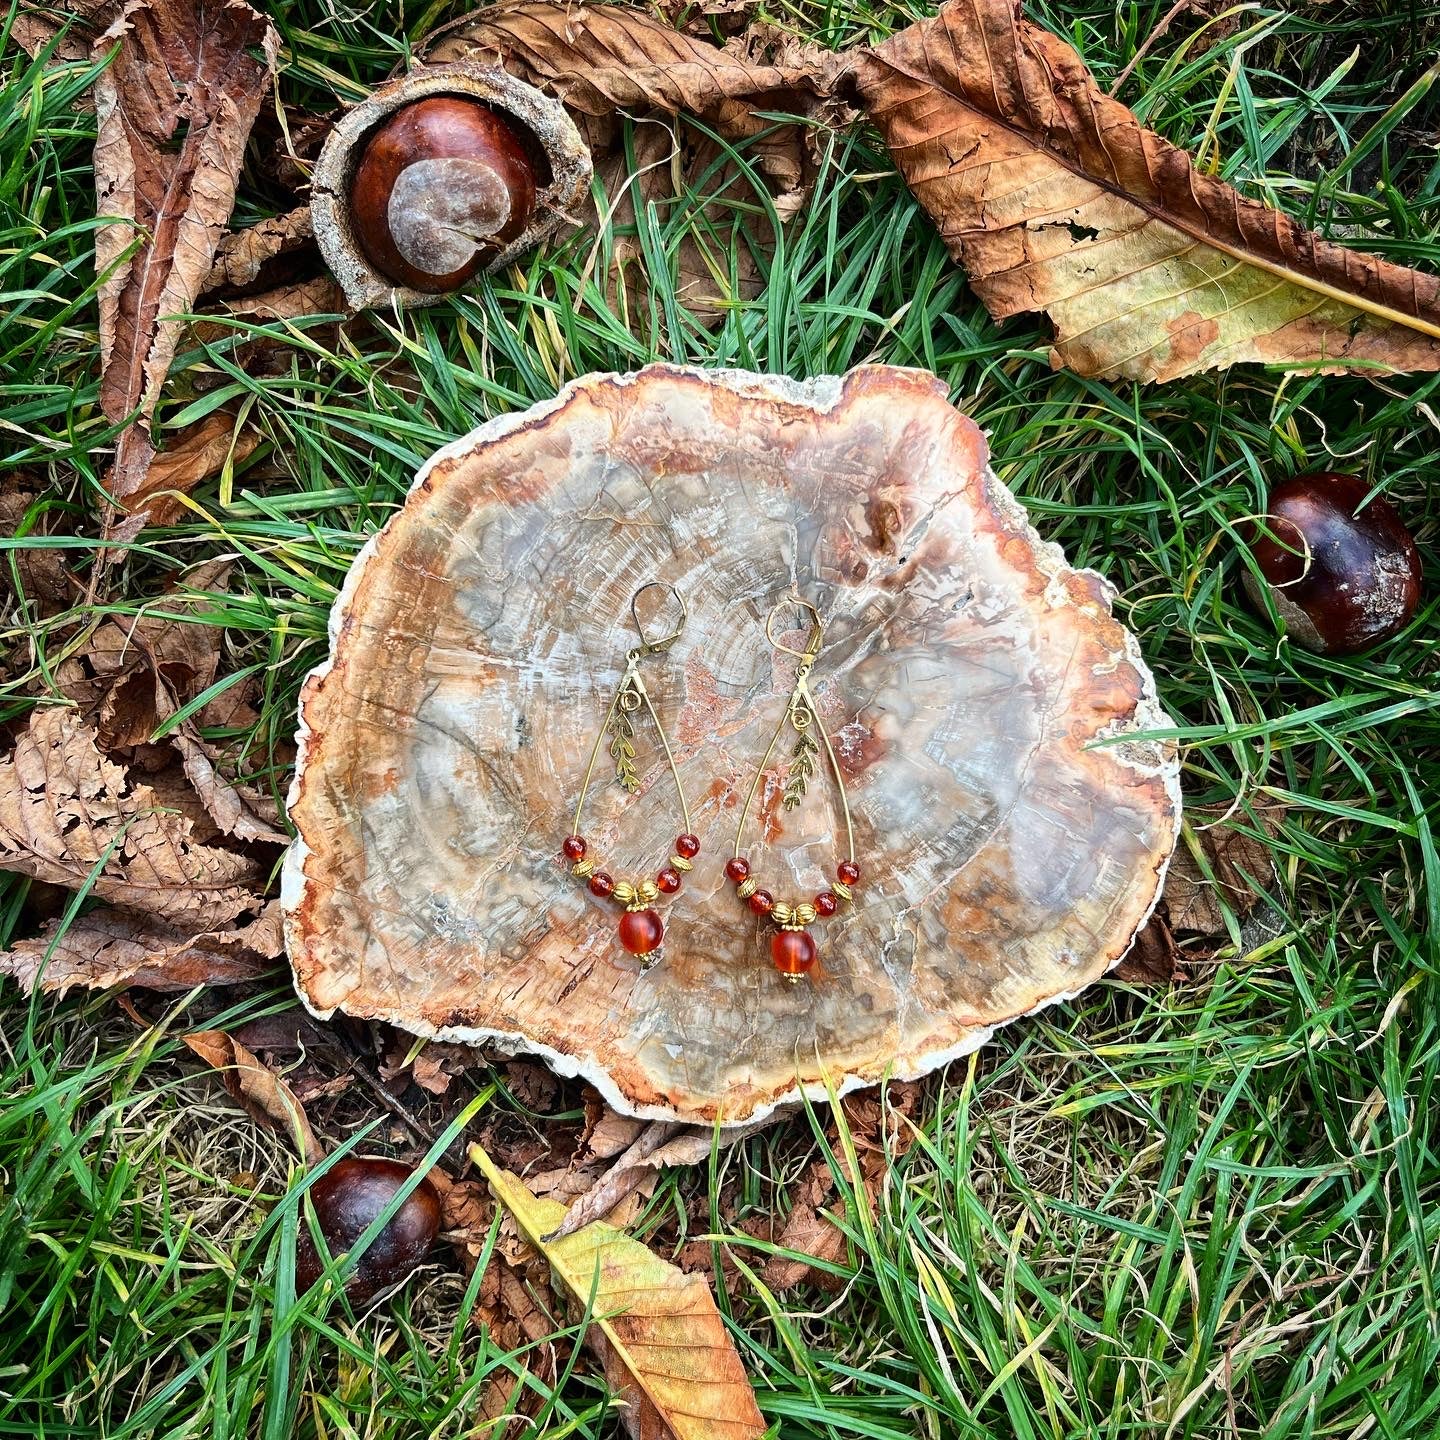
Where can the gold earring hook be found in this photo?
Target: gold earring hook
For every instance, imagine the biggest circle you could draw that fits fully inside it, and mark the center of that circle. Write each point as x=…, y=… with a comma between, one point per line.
x=817, y=628
x=657, y=647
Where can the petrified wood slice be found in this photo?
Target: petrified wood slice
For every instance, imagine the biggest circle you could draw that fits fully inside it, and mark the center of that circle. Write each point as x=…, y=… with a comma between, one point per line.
x=978, y=689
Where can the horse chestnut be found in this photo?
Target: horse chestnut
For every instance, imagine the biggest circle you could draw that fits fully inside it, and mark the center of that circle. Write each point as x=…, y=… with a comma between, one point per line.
x=347, y=1198
x=440, y=186
x=1342, y=577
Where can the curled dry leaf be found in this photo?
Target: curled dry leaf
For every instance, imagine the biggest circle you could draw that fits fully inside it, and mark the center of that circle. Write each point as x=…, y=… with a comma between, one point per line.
x=1051, y=194
x=263, y=1093
x=1154, y=958
x=236, y=808
x=38, y=23
x=656, y=1330
x=110, y=947
x=174, y=108
x=67, y=813
x=189, y=458
x=605, y=59
x=243, y=254
x=37, y=576
x=659, y=1144
x=1055, y=198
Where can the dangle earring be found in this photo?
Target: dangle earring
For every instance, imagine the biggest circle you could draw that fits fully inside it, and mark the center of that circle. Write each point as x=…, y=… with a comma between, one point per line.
x=642, y=931
x=792, y=948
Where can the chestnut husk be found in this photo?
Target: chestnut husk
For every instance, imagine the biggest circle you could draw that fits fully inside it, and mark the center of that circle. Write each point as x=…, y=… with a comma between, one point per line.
x=557, y=154
x=348, y=1198
x=1342, y=577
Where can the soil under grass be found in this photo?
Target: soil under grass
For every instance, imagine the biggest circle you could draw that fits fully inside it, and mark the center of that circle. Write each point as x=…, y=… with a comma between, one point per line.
x=1204, y=1209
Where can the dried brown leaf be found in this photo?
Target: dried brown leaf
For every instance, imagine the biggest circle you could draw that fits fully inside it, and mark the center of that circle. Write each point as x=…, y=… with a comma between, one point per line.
x=1236, y=859
x=66, y=812
x=877, y=1123
x=236, y=808
x=37, y=24
x=655, y=1329
x=36, y=576
x=1054, y=197
x=174, y=108
x=242, y=254
x=111, y=947
x=264, y=1094
x=189, y=459
x=1153, y=958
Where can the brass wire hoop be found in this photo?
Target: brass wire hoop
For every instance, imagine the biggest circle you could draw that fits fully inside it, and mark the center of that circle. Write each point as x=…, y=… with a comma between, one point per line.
x=631, y=694
x=800, y=713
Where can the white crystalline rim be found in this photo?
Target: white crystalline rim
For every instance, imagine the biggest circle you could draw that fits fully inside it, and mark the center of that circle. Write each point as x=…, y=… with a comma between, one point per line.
x=820, y=394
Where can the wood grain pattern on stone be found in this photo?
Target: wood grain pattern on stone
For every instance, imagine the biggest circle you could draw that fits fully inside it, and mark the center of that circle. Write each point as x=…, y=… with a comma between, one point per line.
x=967, y=677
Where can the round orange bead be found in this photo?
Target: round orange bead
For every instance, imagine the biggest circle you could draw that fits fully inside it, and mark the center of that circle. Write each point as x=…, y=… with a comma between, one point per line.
x=641, y=931
x=793, y=951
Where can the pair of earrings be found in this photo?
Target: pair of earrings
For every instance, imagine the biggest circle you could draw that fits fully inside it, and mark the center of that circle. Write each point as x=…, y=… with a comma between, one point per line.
x=641, y=930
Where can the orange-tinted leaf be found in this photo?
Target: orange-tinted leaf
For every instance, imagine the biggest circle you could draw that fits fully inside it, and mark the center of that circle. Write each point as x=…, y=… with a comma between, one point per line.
x=267, y=1098
x=174, y=109
x=117, y=947
x=655, y=1329
x=1054, y=197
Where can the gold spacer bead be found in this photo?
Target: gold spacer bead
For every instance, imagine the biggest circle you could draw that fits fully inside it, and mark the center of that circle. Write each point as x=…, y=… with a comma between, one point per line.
x=680, y=863
x=840, y=888
x=747, y=887
x=794, y=979
x=583, y=868
x=804, y=914
x=624, y=892
x=782, y=914
x=646, y=891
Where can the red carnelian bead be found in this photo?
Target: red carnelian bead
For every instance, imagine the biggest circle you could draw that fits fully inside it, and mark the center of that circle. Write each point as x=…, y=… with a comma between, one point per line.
x=848, y=872
x=762, y=902
x=601, y=884
x=737, y=869
x=687, y=847
x=668, y=880
x=826, y=903
x=641, y=931
x=793, y=951
x=574, y=847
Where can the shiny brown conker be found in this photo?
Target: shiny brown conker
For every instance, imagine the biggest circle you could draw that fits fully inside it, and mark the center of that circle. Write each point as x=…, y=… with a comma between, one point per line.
x=347, y=1198
x=1342, y=577
x=441, y=186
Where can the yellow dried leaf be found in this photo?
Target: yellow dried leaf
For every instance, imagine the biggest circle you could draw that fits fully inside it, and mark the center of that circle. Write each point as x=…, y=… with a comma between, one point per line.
x=1055, y=198
x=655, y=1329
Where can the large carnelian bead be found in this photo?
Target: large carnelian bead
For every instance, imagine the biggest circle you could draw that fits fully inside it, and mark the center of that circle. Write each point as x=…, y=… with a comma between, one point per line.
x=793, y=951
x=641, y=931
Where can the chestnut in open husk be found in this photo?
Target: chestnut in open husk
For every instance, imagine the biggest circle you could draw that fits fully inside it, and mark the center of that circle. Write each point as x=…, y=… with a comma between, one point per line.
x=348, y=1198
x=1342, y=577
x=441, y=185
x=443, y=173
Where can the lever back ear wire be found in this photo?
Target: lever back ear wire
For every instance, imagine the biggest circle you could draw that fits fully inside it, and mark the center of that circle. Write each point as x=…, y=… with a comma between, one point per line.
x=642, y=931
x=792, y=948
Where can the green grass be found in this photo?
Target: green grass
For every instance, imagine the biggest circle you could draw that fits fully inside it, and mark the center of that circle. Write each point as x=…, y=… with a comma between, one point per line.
x=1201, y=1212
